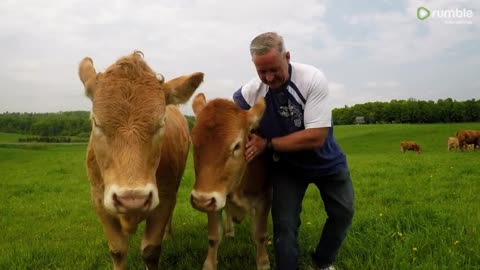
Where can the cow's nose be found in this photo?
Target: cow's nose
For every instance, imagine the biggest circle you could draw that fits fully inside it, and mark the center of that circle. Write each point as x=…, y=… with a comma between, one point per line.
x=202, y=202
x=132, y=200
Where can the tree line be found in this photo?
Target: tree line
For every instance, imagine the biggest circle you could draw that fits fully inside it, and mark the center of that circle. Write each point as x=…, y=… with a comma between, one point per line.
x=74, y=123
x=410, y=111
x=49, y=125
x=77, y=123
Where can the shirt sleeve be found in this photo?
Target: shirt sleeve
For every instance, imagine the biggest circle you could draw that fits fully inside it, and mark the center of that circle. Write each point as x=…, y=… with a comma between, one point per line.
x=240, y=100
x=318, y=111
x=248, y=94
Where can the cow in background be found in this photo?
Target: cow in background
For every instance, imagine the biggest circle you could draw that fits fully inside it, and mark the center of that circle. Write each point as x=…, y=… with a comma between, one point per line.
x=466, y=137
x=410, y=146
x=223, y=179
x=452, y=143
x=137, y=151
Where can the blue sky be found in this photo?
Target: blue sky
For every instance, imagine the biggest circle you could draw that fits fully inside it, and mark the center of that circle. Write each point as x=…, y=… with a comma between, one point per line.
x=369, y=50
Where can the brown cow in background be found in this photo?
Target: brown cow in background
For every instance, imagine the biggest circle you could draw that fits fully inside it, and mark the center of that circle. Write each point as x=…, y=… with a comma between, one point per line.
x=452, y=143
x=137, y=151
x=223, y=179
x=466, y=137
x=410, y=146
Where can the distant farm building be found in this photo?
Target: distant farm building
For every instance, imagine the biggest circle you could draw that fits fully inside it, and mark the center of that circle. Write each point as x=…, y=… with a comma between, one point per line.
x=359, y=120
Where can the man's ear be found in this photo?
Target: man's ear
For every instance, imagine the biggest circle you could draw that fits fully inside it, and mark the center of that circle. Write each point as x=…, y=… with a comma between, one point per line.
x=88, y=76
x=179, y=90
x=255, y=114
x=198, y=103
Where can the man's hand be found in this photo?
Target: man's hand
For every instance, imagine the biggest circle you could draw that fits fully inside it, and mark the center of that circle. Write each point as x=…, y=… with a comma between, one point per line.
x=255, y=146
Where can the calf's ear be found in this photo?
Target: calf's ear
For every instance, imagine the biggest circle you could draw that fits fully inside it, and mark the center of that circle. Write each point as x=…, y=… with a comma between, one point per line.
x=179, y=90
x=199, y=102
x=255, y=114
x=88, y=76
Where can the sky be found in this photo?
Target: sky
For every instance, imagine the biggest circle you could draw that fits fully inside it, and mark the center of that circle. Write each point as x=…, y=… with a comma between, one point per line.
x=369, y=50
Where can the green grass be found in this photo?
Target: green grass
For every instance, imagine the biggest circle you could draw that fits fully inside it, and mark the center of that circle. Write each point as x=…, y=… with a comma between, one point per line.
x=11, y=137
x=412, y=211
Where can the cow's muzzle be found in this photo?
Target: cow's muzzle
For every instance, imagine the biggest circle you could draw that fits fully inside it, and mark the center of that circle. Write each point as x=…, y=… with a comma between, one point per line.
x=207, y=201
x=128, y=200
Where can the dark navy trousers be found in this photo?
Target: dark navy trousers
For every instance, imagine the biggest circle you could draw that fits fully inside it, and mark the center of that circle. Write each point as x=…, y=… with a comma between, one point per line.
x=289, y=189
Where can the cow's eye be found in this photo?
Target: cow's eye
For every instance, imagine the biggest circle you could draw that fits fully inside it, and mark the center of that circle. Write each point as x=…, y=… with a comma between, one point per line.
x=96, y=126
x=160, y=129
x=236, y=148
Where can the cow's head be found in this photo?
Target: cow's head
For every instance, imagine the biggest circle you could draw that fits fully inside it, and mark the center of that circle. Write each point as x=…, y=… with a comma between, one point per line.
x=128, y=119
x=219, y=137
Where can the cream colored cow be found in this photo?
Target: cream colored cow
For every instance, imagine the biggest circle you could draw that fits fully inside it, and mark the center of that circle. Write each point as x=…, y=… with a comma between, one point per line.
x=137, y=151
x=452, y=143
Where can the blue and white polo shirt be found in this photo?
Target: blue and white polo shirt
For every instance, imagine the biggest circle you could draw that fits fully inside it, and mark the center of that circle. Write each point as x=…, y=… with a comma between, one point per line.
x=302, y=103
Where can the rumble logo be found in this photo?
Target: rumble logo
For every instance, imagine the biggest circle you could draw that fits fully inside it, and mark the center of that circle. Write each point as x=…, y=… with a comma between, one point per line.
x=450, y=16
x=423, y=13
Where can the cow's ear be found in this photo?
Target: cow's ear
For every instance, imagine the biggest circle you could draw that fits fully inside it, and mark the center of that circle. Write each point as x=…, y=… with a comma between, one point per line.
x=255, y=113
x=179, y=90
x=88, y=76
x=199, y=102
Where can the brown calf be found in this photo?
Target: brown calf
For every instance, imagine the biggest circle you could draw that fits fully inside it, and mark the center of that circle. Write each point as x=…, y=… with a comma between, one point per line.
x=466, y=137
x=137, y=151
x=223, y=179
x=410, y=146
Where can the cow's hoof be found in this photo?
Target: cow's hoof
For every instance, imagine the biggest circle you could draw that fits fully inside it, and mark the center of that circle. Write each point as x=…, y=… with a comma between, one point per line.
x=263, y=265
x=207, y=265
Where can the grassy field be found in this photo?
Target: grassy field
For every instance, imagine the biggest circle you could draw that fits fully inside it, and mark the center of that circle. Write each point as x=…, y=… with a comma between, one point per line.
x=11, y=137
x=412, y=211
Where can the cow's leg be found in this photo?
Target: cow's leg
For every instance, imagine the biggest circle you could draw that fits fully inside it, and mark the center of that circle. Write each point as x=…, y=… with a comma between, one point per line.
x=259, y=229
x=463, y=145
x=214, y=238
x=168, y=229
x=155, y=230
x=117, y=240
x=229, y=226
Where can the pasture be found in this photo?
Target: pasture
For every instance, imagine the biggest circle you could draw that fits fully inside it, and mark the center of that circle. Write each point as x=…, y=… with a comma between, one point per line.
x=413, y=211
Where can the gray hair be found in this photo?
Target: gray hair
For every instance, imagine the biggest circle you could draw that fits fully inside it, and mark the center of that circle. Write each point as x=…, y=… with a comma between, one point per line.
x=262, y=43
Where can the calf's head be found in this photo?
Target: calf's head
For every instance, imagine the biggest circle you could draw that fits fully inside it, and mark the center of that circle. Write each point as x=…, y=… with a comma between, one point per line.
x=219, y=137
x=128, y=119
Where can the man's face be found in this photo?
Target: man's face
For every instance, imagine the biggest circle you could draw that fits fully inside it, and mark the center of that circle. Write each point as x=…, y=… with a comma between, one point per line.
x=272, y=67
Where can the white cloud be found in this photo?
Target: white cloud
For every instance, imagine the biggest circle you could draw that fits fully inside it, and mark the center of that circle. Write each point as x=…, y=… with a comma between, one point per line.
x=43, y=42
x=398, y=39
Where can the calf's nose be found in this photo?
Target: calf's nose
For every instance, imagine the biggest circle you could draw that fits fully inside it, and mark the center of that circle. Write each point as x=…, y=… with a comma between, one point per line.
x=133, y=200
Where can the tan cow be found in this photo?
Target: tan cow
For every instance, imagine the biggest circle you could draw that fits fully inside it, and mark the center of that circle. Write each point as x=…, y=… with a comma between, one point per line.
x=410, y=146
x=223, y=179
x=452, y=143
x=466, y=137
x=137, y=151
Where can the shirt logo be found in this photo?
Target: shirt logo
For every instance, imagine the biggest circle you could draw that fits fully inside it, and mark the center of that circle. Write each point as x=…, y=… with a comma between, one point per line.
x=292, y=113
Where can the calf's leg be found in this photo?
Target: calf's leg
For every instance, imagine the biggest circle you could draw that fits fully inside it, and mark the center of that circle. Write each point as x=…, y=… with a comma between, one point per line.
x=117, y=240
x=155, y=230
x=259, y=229
x=214, y=238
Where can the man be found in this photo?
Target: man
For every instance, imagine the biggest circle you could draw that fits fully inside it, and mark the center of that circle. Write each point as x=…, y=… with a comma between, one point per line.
x=296, y=133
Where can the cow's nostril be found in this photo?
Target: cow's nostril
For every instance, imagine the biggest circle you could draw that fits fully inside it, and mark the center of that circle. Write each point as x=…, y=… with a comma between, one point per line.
x=149, y=199
x=212, y=201
x=115, y=200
